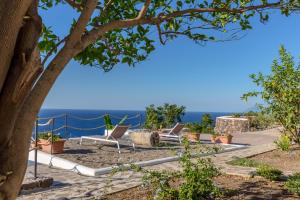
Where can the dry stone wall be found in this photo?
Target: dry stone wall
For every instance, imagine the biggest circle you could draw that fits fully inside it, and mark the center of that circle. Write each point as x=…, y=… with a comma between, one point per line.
x=228, y=124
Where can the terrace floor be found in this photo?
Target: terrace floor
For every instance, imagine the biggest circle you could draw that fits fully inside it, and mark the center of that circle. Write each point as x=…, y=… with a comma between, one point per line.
x=69, y=185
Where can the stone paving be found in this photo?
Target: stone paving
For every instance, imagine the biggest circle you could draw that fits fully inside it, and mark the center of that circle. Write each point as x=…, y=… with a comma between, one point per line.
x=69, y=185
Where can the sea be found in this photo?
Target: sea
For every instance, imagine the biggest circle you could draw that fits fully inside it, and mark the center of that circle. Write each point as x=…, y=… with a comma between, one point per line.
x=69, y=123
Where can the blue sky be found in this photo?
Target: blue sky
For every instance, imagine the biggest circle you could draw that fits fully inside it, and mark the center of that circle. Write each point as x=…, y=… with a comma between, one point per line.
x=202, y=78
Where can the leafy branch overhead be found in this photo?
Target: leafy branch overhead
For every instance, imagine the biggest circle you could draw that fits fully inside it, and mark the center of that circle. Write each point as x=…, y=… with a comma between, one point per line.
x=122, y=31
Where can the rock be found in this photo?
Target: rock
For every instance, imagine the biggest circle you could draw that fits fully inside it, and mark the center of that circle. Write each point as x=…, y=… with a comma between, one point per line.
x=39, y=182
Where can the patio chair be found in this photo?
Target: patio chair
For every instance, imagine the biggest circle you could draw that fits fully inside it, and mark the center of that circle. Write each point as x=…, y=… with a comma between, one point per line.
x=174, y=132
x=114, y=137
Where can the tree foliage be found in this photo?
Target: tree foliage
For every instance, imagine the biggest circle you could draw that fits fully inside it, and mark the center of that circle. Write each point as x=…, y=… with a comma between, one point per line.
x=281, y=92
x=200, y=21
x=163, y=116
x=204, y=126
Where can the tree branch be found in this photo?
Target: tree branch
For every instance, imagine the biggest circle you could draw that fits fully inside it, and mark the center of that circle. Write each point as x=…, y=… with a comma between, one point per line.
x=99, y=31
x=74, y=4
x=160, y=34
x=52, y=50
x=144, y=9
x=105, y=8
x=84, y=18
x=58, y=63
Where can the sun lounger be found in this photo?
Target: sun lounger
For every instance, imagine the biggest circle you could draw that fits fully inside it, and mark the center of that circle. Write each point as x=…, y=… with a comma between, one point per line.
x=174, y=132
x=114, y=137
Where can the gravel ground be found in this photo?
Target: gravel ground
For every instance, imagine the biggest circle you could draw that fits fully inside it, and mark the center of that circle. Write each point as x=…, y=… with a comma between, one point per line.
x=98, y=155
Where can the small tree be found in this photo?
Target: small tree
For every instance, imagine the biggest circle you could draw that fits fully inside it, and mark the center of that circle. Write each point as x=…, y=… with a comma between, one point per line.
x=163, y=116
x=281, y=93
x=207, y=123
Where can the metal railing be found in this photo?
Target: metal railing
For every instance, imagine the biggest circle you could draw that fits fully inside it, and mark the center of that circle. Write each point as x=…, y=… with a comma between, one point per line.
x=50, y=123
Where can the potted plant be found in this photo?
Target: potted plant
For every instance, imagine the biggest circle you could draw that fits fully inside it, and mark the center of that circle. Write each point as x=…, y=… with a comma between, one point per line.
x=225, y=138
x=221, y=138
x=194, y=131
x=213, y=138
x=48, y=143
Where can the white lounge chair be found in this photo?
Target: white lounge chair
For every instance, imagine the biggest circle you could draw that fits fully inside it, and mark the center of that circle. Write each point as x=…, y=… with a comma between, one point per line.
x=174, y=132
x=114, y=137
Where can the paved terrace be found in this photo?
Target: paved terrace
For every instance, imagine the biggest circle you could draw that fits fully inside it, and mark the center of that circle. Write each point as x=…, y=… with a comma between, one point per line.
x=68, y=185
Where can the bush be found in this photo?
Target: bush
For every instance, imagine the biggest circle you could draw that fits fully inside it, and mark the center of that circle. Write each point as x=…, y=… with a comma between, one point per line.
x=244, y=162
x=293, y=184
x=163, y=116
x=269, y=172
x=206, y=125
x=284, y=143
x=194, y=127
x=194, y=181
x=236, y=115
x=108, y=123
x=260, y=121
x=47, y=136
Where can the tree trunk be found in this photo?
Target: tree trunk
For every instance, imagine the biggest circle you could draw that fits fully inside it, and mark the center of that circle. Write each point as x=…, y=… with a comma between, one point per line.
x=149, y=139
x=23, y=71
x=23, y=89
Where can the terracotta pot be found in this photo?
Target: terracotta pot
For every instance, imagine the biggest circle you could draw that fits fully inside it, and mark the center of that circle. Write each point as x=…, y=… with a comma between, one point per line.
x=213, y=139
x=193, y=136
x=32, y=145
x=57, y=146
x=225, y=139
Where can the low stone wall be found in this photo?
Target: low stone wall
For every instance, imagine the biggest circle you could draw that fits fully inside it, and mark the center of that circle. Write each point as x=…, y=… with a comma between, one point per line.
x=228, y=124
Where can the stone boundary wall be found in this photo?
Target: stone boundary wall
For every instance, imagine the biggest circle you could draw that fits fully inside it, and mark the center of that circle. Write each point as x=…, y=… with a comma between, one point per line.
x=229, y=124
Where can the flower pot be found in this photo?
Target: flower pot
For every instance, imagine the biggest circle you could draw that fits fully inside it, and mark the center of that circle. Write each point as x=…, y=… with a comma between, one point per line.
x=225, y=139
x=193, y=136
x=32, y=145
x=213, y=139
x=57, y=146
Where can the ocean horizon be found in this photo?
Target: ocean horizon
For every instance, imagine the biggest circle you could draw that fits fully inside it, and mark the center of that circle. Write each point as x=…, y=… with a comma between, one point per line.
x=82, y=122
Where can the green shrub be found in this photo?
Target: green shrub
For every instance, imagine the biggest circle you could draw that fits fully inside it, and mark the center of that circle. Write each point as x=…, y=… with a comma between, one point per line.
x=250, y=114
x=245, y=162
x=206, y=120
x=293, y=184
x=260, y=121
x=194, y=127
x=194, y=181
x=269, y=172
x=236, y=115
x=108, y=123
x=163, y=116
x=47, y=136
x=284, y=143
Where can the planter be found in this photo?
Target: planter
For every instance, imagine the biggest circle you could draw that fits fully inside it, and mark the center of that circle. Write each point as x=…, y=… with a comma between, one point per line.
x=193, y=136
x=225, y=139
x=32, y=145
x=213, y=139
x=57, y=146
